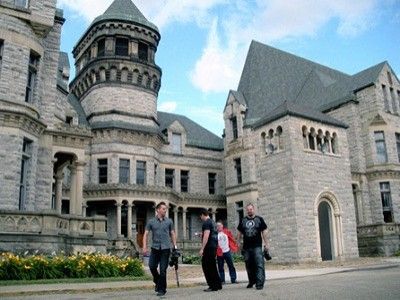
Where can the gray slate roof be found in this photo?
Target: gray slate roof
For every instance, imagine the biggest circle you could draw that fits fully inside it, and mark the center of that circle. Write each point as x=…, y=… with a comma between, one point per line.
x=271, y=76
x=125, y=10
x=78, y=108
x=197, y=135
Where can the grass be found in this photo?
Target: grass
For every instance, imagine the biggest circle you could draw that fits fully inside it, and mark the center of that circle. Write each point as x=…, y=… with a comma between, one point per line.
x=72, y=280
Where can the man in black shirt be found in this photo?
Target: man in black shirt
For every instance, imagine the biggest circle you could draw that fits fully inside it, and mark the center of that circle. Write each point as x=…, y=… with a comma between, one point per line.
x=208, y=252
x=254, y=231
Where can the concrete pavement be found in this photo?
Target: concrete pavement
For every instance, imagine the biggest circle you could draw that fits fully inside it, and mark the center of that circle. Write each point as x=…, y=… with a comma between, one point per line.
x=36, y=289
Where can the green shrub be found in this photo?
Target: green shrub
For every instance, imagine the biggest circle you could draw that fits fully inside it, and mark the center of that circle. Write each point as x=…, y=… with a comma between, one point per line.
x=15, y=267
x=191, y=259
x=397, y=253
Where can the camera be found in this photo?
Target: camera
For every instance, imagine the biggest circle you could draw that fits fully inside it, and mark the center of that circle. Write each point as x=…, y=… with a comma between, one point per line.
x=267, y=256
x=173, y=261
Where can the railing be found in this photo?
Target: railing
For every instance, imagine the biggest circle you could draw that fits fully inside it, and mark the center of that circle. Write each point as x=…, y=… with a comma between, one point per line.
x=50, y=223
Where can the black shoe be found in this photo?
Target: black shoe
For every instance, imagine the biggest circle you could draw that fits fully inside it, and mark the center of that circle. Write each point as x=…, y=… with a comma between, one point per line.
x=259, y=287
x=234, y=282
x=159, y=293
x=212, y=290
x=250, y=285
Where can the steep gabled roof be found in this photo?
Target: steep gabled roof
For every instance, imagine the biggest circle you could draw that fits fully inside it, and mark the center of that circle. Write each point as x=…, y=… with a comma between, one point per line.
x=271, y=76
x=63, y=62
x=293, y=109
x=74, y=102
x=196, y=135
x=125, y=10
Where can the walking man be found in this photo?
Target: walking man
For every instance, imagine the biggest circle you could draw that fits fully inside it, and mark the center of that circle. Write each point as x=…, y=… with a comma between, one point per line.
x=208, y=252
x=254, y=231
x=226, y=245
x=162, y=234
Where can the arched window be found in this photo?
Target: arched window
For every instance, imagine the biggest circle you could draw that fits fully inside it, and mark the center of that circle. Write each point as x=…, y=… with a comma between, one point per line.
x=263, y=142
x=311, y=139
x=320, y=138
x=113, y=74
x=327, y=142
x=305, y=137
x=124, y=75
x=335, y=144
x=278, y=135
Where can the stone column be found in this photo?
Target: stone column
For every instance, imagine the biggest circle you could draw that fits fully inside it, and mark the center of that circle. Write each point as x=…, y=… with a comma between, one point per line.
x=72, y=191
x=59, y=182
x=176, y=221
x=118, y=205
x=80, y=166
x=184, y=211
x=129, y=221
x=214, y=214
x=84, y=207
x=338, y=235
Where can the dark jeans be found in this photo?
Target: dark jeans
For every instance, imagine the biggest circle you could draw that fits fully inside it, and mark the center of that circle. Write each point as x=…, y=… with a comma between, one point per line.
x=255, y=267
x=209, y=266
x=229, y=261
x=159, y=257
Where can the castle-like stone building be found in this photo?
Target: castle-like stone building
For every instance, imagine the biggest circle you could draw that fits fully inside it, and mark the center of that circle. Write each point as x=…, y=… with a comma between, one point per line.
x=84, y=162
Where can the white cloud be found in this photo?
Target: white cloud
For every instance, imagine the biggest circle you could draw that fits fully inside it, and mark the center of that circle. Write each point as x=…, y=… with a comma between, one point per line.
x=169, y=106
x=88, y=9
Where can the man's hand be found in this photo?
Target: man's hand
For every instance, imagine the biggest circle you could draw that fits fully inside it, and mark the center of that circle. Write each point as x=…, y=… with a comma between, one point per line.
x=266, y=247
x=201, y=252
x=145, y=251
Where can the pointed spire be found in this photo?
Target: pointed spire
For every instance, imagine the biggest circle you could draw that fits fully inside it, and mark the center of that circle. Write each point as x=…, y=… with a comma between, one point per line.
x=125, y=10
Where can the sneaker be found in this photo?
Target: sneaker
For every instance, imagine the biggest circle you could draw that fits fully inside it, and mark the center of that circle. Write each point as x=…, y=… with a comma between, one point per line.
x=259, y=287
x=250, y=285
x=160, y=294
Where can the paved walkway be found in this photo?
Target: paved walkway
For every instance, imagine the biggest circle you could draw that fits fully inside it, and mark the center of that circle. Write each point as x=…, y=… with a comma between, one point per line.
x=274, y=274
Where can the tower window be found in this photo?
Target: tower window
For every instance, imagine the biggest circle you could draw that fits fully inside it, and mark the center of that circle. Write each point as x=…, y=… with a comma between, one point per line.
x=141, y=172
x=32, y=74
x=212, y=178
x=102, y=165
x=122, y=47
x=124, y=170
x=386, y=202
x=25, y=168
x=238, y=167
x=169, y=178
x=143, y=52
x=184, y=181
x=101, y=47
x=234, y=128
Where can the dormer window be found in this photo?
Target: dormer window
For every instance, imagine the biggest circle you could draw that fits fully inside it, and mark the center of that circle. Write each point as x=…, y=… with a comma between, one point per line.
x=101, y=47
x=122, y=47
x=21, y=3
x=143, y=52
x=234, y=128
x=176, y=143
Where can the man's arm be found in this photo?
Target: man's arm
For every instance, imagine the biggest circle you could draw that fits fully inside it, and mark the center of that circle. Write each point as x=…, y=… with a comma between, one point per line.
x=265, y=238
x=173, y=238
x=206, y=234
x=239, y=238
x=145, y=250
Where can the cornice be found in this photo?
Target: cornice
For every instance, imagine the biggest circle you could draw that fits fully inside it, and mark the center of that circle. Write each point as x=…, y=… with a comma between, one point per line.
x=21, y=119
x=241, y=188
x=66, y=135
x=391, y=171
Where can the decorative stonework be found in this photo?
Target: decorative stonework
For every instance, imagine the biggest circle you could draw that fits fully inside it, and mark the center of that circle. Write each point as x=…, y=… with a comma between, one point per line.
x=70, y=136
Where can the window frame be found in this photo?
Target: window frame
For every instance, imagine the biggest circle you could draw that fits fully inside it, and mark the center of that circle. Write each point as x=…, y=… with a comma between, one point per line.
x=185, y=181
x=238, y=167
x=212, y=180
x=143, y=51
x=25, y=165
x=26, y=5
x=386, y=196
x=383, y=142
x=122, y=50
x=176, y=143
x=170, y=177
x=102, y=164
x=1, y=54
x=141, y=168
x=239, y=207
x=234, y=124
x=124, y=170
x=33, y=67
x=103, y=48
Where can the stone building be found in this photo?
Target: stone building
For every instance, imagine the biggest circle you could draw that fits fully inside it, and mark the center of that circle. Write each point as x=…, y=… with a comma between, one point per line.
x=84, y=161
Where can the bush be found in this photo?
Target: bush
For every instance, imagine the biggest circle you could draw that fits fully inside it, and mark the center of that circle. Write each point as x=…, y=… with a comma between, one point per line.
x=196, y=260
x=15, y=267
x=397, y=253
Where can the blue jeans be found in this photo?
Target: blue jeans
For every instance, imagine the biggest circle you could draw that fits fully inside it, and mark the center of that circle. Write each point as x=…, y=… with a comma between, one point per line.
x=229, y=261
x=159, y=257
x=254, y=259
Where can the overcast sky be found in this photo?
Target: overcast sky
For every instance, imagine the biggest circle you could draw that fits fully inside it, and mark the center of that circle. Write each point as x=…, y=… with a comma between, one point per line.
x=204, y=42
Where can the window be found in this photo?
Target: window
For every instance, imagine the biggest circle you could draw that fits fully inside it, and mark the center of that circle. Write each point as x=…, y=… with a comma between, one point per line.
x=141, y=172
x=380, y=146
x=155, y=173
x=184, y=181
x=32, y=74
x=311, y=139
x=389, y=76
x=398, y=145
x=239, y=211
x=122, y=47
x=238, y=167
x=21, y=3
x=354, y=189
x=393, y=98
x=101, y=47
x=212, y=179
x=143, y=52
x=234, y=128
x=176, y=143
x=69, y=120
x=385, y=97
x=103, y=170
x=1, y=52
x=25, y=166
x=386, y=202
x=169, y=178
x=124, y=170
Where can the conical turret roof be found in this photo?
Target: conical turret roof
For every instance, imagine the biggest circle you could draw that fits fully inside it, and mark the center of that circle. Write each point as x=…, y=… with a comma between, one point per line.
x=125, y=10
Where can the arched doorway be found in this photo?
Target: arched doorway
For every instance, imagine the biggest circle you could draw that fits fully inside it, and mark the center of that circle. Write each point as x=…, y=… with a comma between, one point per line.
x=325, y=230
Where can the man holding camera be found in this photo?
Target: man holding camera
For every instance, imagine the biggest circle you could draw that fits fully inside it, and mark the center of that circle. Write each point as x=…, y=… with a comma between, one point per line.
x=162, y=234
x=254, y=231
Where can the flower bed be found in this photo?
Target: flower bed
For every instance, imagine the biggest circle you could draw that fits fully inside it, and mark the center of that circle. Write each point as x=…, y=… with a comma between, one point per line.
x=15, y=267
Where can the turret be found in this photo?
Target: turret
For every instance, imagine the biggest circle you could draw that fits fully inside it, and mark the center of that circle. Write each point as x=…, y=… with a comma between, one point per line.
x=117, y=79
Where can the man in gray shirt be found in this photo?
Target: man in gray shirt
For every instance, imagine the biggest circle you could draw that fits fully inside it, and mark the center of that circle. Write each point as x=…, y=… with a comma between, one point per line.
x=162, y=234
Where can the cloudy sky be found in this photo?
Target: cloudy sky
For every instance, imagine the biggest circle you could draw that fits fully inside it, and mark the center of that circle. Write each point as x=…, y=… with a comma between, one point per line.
x=205, y=42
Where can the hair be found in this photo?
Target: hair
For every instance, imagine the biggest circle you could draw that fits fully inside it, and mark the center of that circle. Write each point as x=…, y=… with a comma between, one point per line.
x=220, y=222
x=250, y=204
x=204, y=212
x=160, y=204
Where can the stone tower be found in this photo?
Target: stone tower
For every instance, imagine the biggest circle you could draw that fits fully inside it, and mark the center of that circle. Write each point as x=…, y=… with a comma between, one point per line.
x=117, y=79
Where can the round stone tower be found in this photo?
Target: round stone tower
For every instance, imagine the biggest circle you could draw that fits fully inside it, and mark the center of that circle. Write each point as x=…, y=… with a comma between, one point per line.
x=117, y=80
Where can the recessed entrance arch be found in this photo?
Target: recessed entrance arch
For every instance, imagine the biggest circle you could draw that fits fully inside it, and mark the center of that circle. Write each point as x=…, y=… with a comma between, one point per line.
x=325, y=230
